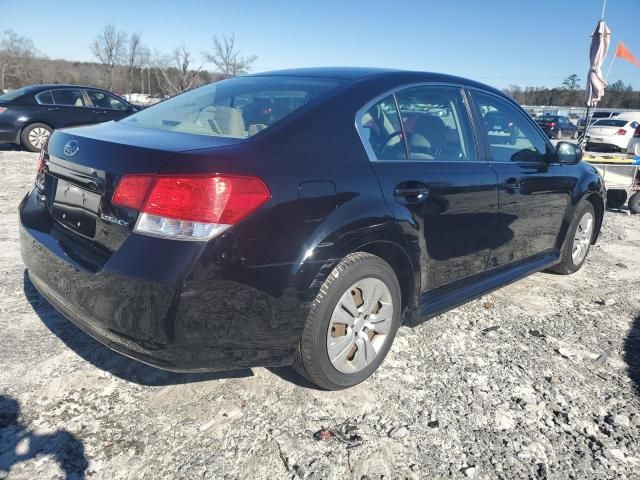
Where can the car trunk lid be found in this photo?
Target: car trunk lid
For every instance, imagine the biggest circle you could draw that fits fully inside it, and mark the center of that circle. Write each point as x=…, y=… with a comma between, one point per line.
x=84, y=165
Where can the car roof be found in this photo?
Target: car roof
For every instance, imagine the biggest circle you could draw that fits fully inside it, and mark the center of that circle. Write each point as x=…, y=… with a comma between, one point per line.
x=367, y=73
x=48, y=86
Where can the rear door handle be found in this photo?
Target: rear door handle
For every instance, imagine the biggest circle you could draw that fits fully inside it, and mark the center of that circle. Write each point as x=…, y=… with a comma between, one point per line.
x=52, y=109
x=411, y=193
x=510, y=185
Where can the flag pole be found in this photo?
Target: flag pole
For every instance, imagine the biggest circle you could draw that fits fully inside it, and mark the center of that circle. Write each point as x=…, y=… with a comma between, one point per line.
x=610, y=65
x=604, y=5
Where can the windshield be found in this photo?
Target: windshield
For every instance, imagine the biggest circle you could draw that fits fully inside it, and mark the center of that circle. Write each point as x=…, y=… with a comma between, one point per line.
x=610, y=123
x=235, y=108
x=13, y=94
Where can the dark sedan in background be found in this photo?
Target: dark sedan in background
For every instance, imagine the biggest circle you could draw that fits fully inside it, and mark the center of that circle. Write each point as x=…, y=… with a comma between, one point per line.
x=557, y=126
x=29, y=115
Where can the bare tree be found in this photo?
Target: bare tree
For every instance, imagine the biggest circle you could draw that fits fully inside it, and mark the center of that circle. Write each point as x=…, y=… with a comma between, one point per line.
x=16, y=53
x=175, y=73
x=227, y=59
x=135, y=56
x=109, y=48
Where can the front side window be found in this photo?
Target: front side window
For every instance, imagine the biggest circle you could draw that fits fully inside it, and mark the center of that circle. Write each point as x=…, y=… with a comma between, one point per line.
x=436, y=124
x=381, y=130
x=68, y=97
x=104, y=100
x=235, y=108
x=511, y=137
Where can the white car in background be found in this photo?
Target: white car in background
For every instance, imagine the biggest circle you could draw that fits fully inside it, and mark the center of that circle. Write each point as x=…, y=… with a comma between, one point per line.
x=612, y=133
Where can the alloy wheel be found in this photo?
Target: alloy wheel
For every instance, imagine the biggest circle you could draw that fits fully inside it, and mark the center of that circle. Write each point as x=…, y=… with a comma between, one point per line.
x=359, y=325
x=582, y=238
x=38, y=137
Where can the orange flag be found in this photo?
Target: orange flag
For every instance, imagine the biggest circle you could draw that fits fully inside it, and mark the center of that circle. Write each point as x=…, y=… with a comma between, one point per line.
x=622, y=52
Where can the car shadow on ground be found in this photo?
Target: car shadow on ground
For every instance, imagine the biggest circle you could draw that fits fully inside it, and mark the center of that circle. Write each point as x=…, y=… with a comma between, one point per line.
x=106, y=359
x=19, y=444
x=9, y=147
x=632, y=353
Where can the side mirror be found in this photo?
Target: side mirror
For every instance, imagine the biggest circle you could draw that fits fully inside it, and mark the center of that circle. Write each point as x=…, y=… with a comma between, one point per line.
x=567, y=152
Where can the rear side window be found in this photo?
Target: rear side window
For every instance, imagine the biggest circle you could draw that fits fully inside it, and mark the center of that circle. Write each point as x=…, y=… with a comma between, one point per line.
x=68, y=97
x=436, y=124
x=511, y=136
x=45, y=98
x=236, y=108
x=381, y=131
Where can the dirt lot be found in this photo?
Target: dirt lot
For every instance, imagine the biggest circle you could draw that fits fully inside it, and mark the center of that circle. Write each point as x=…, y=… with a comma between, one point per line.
x=538, y=380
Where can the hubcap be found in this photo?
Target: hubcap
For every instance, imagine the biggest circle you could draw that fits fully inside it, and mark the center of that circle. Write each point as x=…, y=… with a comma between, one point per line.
x=38, y=137
x=582, y=238
x=359, y=325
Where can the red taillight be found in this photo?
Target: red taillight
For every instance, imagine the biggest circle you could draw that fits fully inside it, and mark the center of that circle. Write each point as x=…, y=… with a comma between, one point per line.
x=40, y=172
x=551, y=124
x=3, y=109
x=132, y=191
x=192, y=206
x=621, y=131
x=637, y=132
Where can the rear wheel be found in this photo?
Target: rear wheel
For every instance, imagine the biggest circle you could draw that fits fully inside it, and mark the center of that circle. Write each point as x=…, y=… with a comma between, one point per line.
x=616, y=198
x=575, y=135
x=352, y=323
x=634, y=203
x=35, y=136
x=579, y=238
x=559, y=134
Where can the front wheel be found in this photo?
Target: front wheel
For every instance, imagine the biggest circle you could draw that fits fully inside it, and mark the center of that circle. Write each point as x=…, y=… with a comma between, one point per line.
x=35, y=136
x=352, y=323
x=634, y=203
x=579, y=237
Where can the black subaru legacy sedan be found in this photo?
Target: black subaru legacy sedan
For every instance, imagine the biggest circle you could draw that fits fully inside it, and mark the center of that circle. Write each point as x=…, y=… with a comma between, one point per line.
x=299, y=217
x=29, y=115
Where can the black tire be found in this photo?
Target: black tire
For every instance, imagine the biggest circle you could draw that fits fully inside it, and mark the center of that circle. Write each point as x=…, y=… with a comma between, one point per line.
x=312, y=360
x=559, y=134
x=634, y=203
x=566, y=265
x=574, y=136
x=26, y=131
x=616, y=198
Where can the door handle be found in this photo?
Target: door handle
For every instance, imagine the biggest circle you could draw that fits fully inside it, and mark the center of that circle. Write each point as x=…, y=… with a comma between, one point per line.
x=52, y=109
x=100, y=112
x=510, y=185
x=411, y=193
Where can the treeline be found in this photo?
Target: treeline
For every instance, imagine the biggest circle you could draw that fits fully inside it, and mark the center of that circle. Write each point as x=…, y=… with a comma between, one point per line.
x=124, y=64
x=569, y=94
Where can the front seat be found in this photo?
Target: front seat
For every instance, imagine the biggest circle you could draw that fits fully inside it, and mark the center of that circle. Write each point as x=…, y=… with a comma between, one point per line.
x=429, y=136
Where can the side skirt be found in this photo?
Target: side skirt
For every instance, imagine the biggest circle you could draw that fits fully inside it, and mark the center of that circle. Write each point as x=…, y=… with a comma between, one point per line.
x=450, y=296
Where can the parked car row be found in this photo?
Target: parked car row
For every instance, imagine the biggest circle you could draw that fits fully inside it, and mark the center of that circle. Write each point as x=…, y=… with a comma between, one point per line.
x=28, y=115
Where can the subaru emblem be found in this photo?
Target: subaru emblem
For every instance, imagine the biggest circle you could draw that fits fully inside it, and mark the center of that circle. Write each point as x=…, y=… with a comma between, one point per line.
x=71, y=148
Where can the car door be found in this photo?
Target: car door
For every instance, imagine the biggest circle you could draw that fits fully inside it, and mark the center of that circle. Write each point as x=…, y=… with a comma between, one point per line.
x=441, y=192
x=534, y=189
x=106, y=106
x=70, y=108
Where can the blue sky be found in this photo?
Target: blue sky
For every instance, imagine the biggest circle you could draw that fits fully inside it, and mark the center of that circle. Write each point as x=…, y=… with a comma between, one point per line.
x=499, y=42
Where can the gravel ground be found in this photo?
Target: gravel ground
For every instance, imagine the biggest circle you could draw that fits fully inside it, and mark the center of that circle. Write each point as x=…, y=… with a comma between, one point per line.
x=540, y=379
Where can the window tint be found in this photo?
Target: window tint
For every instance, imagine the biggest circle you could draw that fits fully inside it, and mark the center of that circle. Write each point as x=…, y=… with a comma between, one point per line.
x=68, y=97
x=436, y=124
x=610, y=123
x=236, y=108
x=511, y=137
x=381, y=130
x=104, y=100
x=45, y=98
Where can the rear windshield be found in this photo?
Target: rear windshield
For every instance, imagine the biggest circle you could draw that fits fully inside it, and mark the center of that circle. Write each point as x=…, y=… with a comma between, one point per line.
x=548, y=119
x=603, y=114
x=13, y=94
x=610, y=123
x=235, y=108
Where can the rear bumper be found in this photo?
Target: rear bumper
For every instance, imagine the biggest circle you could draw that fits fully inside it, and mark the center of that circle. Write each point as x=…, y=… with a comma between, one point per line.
x=193, y=316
